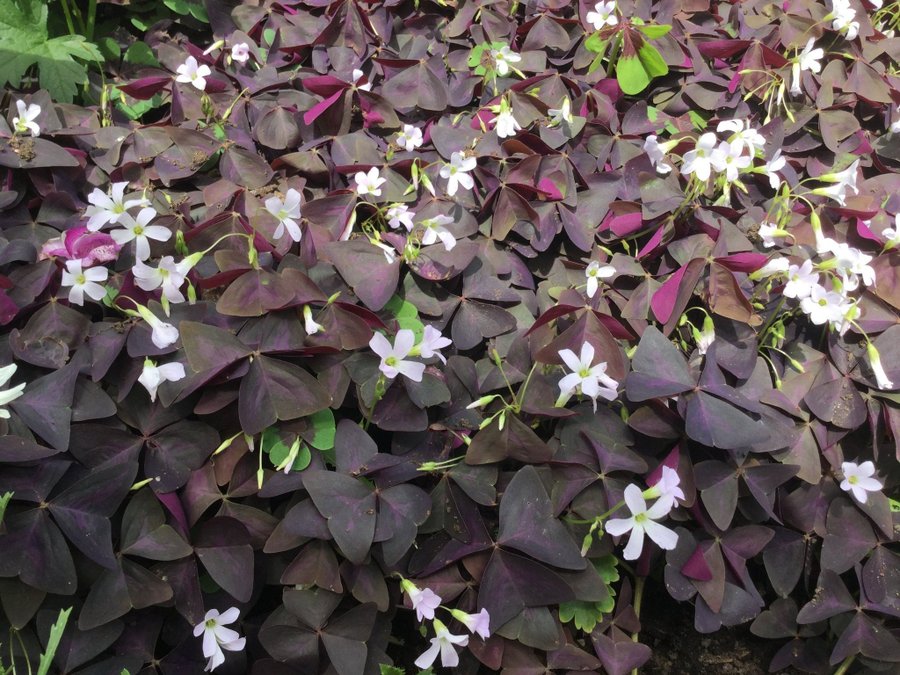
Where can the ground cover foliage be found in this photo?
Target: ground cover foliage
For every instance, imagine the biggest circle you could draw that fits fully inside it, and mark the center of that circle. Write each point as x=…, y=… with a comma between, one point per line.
x=349, y=336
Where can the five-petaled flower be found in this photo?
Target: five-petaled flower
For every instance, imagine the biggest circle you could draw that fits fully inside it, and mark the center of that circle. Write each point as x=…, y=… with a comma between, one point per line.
x=109, y=208
x=410, y=138
x=423, y=600
x=286, y=213
x=587, y=379
x=168, y=275
x=808, y=59
x=502, y=58
x=152, y=375
x=191, y=72
x=26, y=118
x=399, y=215
x=84, y=282
x=240, y=52
x=859, y=481
x=434, y=229
x=642, y=521
x=667, y=488
x=480, y=623
x=604, y=14
x=8, y=395
x=163, y=334
x=457, y=172
x=432, y=342
x=393, y=357
x=444, y=643
x=216, y=637
x=138, y=229
x=369, y=183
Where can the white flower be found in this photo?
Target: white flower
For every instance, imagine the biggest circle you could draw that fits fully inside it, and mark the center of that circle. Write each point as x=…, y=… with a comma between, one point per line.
x=770, y=234
x=842, y=15
x=561, y=114
x=369, y=183
x=729, y=157
x=774, y=266
x=801, y=281
x=139, y=230
x=594, y=272
x=443, y=643
x=667, y=488
x=410, y=138
x=389, y=253
x=216, y=637
x=162, y=334
x=823, y=306
x=240, y=52
x=108, y=208
x=169, y=275
x=434, y=230
x=604, y=14
x=892, y=234
x=26, y=119
x=432, y=341
x=457, y=172
x=309, y=323
x=851, y=263
x=357, y=76
x=8, y=395
x=697, y=161
x=424, y=600
x=808, y=59
x=705, y=337
x=286, y=212
x=399, y=214
x=152, y=376
x=505, y=124
x=642, y=521
x=84, y=282
x=656, y=151
x=842, y=181
x=392, y=356
x=881, y=378
x=190, y=72
x=744, y=133
x=771, y=168
x=585, y=378
x=476, y=623
x=502, y=58
x=858, y=480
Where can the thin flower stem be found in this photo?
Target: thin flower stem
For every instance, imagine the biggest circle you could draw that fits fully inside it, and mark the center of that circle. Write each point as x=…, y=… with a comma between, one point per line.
x=845, y=665
x=638, y=597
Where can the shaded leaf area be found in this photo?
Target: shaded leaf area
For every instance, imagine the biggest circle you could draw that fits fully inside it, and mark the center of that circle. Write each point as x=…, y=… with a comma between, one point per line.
x=292, y=475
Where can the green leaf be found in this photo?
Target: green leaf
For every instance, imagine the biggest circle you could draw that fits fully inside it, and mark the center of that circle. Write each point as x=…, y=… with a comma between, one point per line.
x=323, y=429
x=586, y=615
x=110, y=49
x=385, y=669
x=178, y=6
x=140, y=54
x=652, y=61
x=654, y=31
x=407, y=315
x=631, y=75
x=606, y=568
x=25, y=42
x=697, y=120
x=4, y=502
x=198, y=11
x=595, y=43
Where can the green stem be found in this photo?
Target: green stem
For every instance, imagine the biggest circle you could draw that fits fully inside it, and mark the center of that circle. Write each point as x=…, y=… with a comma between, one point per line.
x=68, y=14
x=91, y=19
x=638, y=597
x=845, y=665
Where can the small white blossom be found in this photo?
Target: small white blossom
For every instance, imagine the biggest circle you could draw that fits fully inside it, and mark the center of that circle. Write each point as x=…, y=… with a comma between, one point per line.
x=585, y=378
x=432, y=343
x=774, y=266
x=594, y=272
x=140, y=231
x=443, y=643
x=26, y=119
x=859, y=480
x=808, y=59
x=392, y=356
x=434, y=229
x=309, y=323
x=84, y=282
x=842, y=15
x=424, y=601
x=823, y=306
x=604, y=14
x=561, y=114
x=369, y=183
x=457, y=172
x=801, y=280
x=476, y=623
x=162, y=334
x=505, y=124
x=705, y=337
x=656, y=151
x=667, y=488
x=729, y=157
x=8, y=395
x=169, y=276
x=108, y=208
x=642, y=521
x=152, y=375
x=851, y=264
x=216, y=637
x=389, y=253
x=770, y=234
x=286, y=213
x=399, y=215
x=697, y=161
x=410, y=138
x=191, y=72
x=744, y=133
x=881, y=377
x=772, y=167
x=892, y=234
x=357, y=76
x=841, y=183
x=240, y=52
x=502, y=58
